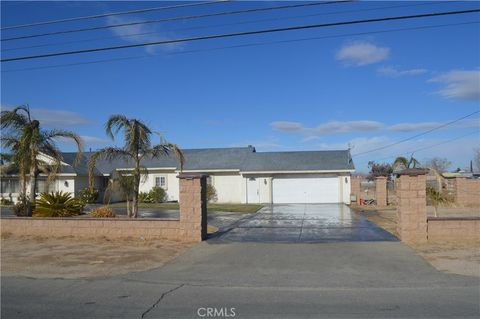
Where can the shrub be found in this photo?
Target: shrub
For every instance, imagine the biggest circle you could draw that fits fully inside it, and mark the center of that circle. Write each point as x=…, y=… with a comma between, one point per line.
x=89, y=195
x=19, y=209
x=157, y=195
x=211, y=193
x=57, y=204
x=5, y=201
x=144, y=198
x=102, y=212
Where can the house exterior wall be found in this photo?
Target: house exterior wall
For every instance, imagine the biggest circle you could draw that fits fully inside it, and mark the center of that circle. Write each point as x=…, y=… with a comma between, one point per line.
x=345, y=188
x=171, y=187
x=228, y=187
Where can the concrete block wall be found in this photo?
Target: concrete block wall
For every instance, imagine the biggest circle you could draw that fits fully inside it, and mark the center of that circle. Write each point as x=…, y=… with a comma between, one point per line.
x=453, y=229
x=467, y=191
x=412, y=206
x=381, y=190
x=191, y=227
x=355, y=187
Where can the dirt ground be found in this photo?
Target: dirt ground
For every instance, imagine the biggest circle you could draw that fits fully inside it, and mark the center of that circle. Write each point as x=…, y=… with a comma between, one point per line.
x=69, y=257
x=461, y=258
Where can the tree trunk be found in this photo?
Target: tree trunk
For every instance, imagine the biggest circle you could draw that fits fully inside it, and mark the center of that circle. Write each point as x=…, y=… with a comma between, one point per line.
x=31, y=191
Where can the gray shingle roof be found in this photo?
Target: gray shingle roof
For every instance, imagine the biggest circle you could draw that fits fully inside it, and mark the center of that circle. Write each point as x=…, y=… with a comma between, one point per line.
x=298, y=161
x=241, y=158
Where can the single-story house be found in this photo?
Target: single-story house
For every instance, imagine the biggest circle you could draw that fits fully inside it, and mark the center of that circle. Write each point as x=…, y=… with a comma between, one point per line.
x=239, y=175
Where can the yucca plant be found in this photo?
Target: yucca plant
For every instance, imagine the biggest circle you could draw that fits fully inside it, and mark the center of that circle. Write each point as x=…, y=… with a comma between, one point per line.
x=57, y=204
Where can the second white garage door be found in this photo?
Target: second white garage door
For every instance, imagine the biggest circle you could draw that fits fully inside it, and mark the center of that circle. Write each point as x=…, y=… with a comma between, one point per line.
x=305, y=190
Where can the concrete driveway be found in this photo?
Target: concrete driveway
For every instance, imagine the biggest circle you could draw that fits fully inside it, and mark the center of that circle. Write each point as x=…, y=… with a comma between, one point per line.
x=303, y=223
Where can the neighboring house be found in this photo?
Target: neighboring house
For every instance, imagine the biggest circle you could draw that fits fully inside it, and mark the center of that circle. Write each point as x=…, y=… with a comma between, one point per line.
x=239, y=175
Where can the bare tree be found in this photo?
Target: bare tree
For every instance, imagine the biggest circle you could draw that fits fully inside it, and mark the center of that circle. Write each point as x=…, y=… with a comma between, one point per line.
x=441, y=165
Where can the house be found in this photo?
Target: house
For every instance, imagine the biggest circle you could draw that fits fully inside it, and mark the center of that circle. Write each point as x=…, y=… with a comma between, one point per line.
x=239, y=175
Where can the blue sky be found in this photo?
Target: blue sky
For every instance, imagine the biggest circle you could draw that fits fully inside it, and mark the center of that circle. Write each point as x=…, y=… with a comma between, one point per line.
x=365, y=91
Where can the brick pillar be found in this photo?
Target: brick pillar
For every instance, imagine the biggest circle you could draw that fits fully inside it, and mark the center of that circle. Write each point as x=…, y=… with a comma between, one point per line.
x=355, y=187
x=193, y=207
x=412, y=206
x=381, y=190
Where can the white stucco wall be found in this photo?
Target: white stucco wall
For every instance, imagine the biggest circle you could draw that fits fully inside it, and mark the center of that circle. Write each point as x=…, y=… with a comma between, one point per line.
x=172, y=187
x=229, y=187
x=345, y=188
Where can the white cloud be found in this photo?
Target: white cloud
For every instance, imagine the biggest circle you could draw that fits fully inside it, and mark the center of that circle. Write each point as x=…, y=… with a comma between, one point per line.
x=423, y=126
x=361, y=53
x=328, y=128
x=394, y=72
x=54, y=118
x=339, y=127
x=143, y=33
x=459, y=84
x=286, y=126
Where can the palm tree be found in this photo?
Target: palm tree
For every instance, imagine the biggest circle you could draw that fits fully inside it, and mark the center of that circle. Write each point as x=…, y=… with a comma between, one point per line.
x=26, y=142
x=403, y=162
x=137, y=147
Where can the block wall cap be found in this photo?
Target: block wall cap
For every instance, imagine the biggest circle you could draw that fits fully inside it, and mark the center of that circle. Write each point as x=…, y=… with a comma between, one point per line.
x=413, y=171
x=191, y=175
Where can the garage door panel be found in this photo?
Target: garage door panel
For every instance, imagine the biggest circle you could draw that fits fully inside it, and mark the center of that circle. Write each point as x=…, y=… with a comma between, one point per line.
x=306, y=190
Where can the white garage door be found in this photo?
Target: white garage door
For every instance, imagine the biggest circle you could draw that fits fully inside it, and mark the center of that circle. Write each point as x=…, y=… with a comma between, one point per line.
x=306, y=190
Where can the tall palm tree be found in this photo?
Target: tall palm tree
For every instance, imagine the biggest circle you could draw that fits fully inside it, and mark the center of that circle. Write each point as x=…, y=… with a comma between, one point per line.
x=137, y=147
x=27, y=141
x=403, y=162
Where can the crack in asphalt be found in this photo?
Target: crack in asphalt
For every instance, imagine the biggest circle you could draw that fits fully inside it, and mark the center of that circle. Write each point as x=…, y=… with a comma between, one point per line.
x=160, y=299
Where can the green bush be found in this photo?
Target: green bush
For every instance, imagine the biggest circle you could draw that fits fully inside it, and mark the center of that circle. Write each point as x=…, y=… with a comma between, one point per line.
x=144, y=197
x=211, y=193
x=57, y=204
x=89, y=195
x=102, y=212
x=5, y=201
x=158, y=195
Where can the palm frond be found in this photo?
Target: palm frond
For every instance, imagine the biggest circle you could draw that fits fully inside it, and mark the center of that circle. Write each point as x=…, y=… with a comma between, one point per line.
x=115, y=123
x=107, y=153
x=64, y=134
x=13, y=119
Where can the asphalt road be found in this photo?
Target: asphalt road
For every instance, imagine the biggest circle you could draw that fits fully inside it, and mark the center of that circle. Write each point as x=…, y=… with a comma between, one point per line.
x=259, y=280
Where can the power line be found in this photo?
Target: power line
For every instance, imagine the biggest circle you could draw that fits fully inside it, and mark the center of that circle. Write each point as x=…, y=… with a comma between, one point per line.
x=112, y=14
x=174, y=19
x=228, y=35
x=226, y=24
x=242, y=46
x=417, y=135
x=432, y=146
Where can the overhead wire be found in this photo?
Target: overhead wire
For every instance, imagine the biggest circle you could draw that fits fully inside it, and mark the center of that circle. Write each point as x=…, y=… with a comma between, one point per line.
x=244, y=33
x=254, y=44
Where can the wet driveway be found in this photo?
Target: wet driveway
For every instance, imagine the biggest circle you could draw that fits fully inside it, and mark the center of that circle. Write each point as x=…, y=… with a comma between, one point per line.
x=303, y=223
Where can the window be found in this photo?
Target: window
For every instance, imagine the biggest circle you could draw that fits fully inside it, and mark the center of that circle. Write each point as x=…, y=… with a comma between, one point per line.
x=10, y=186
x=161, y=181
x=44, y=186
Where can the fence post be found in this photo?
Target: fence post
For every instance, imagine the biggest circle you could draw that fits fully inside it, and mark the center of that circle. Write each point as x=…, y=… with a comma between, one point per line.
x=381, y=190
x=412, y=206
x=355, y=188
x=193, y=206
